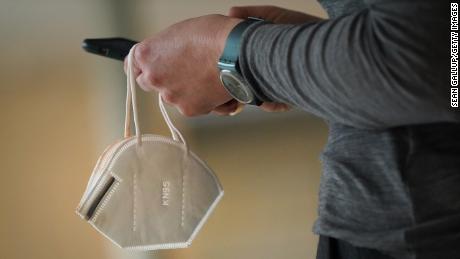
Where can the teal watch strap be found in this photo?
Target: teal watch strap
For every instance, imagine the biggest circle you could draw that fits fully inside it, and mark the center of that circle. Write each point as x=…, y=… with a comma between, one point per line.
x=229, y=57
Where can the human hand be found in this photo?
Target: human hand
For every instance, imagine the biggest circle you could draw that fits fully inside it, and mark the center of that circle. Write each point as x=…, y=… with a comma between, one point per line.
x=275, y=15
x=181, y=63
x=272, y=14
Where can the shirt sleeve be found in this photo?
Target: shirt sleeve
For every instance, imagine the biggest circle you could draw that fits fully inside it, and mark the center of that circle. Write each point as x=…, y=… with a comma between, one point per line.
x=384, y=66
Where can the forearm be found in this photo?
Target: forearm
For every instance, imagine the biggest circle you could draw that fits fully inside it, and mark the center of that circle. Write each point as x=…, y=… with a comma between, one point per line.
x=378, y=68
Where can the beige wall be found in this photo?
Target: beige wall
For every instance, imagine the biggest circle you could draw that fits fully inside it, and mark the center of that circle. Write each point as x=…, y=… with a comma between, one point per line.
x=60, y=107
x=49, y=138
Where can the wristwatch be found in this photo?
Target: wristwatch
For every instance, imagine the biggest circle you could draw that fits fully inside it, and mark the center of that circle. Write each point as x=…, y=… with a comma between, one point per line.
x=230, y=74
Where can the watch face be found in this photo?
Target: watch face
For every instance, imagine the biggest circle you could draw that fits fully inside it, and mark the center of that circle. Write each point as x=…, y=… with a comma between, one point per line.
x=236, y=86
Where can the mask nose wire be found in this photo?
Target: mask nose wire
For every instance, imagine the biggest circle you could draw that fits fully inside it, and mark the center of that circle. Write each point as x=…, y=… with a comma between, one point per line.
x=131, y=105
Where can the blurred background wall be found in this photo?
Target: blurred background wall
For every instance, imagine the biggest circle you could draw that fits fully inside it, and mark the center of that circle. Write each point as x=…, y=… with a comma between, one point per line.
x=60, y=107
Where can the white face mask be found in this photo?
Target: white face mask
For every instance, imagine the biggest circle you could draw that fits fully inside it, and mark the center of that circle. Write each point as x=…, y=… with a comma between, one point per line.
x=149, y=192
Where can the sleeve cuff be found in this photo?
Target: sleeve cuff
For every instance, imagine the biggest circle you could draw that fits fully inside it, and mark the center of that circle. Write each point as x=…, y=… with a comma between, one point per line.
x=245, y=64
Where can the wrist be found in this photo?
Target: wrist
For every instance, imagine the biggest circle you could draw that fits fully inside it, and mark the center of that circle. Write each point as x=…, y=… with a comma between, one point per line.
x=222, y=34
x=230, y=75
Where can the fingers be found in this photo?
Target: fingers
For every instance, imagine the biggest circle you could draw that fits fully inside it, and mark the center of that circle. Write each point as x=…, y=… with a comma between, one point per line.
x=275, y=107
x=239, y=12
x=244, y=12
x=272, y=14
x=234, y=107
x=142, y=79
x=135, y=63
x=227, y=108
x=137, y=74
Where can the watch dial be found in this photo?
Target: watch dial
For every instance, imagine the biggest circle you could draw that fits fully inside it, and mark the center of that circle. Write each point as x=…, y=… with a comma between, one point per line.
x=236, y=87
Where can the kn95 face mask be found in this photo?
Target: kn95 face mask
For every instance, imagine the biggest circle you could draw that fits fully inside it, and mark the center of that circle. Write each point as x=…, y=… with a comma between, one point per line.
x=146, y=191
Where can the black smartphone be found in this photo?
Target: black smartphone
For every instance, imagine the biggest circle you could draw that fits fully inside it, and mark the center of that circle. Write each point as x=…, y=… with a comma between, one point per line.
x=116, y=48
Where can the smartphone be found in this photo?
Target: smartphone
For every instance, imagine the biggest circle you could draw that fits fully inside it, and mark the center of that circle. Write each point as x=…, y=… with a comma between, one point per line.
x=115, y=48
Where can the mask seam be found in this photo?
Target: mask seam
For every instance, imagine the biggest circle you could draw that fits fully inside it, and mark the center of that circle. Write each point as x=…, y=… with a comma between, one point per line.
x=134, y=200
x=183, y=187
x=183, y=195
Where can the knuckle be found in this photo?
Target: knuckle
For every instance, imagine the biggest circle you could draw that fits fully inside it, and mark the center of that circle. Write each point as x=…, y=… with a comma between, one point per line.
x=155, y=79
x=188, y=112
x=141, y=52
x=170, y=97
x=142, y=84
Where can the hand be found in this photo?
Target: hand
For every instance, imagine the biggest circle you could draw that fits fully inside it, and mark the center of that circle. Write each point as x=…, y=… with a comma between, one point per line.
x=275, y=15
x=181, y=63
x=272, y=14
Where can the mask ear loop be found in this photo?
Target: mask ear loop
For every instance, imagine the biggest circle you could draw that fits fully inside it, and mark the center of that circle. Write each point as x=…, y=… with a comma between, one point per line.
x=177, y=136
x=131, y=105
x=127, y=131
x=131, y=100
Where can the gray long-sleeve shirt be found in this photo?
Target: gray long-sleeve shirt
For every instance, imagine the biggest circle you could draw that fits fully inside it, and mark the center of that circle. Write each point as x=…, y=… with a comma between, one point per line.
x=377, y=72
